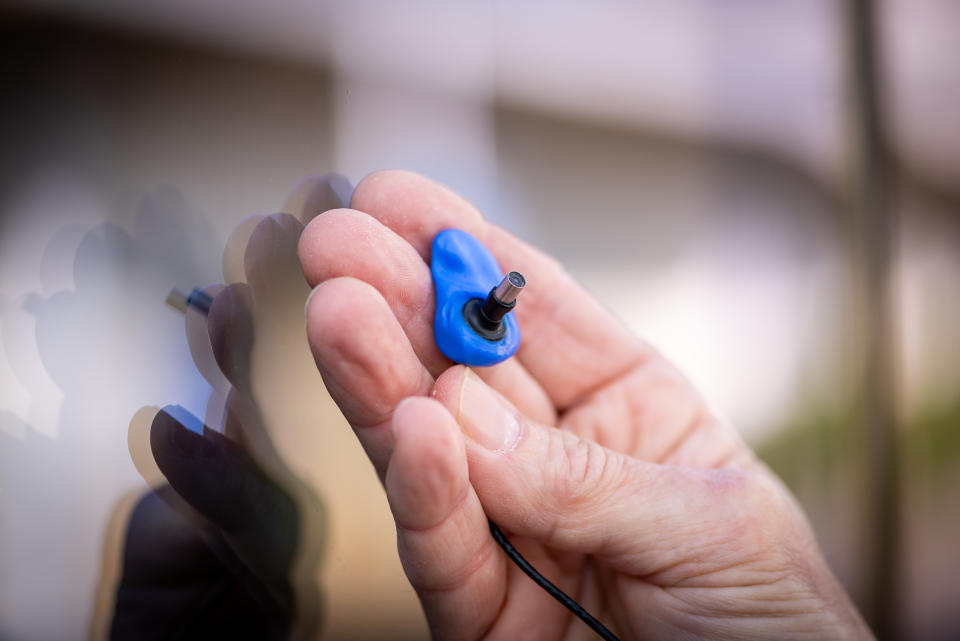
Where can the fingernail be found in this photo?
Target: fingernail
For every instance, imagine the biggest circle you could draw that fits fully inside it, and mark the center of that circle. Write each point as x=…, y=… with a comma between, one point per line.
x=485, y=417
x=306, y=305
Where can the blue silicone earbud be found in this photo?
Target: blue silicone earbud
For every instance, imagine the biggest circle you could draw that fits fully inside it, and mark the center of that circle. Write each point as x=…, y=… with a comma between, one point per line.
x=464, y=270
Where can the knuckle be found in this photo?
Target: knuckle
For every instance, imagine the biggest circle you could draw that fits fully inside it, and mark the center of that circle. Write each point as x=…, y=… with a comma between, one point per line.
x=775, y=529
x=335, y=304
x=582, y=472
x=765, y=519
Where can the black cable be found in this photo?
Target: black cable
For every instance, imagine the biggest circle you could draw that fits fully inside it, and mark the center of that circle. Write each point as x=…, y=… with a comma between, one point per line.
x=550, y=588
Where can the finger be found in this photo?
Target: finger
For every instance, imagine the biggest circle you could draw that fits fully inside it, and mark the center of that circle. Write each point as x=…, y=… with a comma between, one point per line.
x=344, y=242
x=230, y=332
x=231, y=329
x=714, y=443
x=202, y=465
x=198, y=341
x=365, y=359
x=416, y=208
x=233, y=271
x=445, y=545
x=572, y=494
x=349, y=243
x=671, y=422
x=317, y=194
x=512, y=379
x=272, y=268
x=662, y=407
x=220, y=480
x=571, y=344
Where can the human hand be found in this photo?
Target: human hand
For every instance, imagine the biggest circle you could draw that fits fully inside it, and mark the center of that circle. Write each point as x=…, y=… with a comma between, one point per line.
x=606, y=468
x=230, y=543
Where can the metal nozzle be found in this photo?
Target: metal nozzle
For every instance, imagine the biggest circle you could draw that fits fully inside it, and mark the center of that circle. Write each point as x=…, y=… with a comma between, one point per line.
x=485, y=316
x=510, y=287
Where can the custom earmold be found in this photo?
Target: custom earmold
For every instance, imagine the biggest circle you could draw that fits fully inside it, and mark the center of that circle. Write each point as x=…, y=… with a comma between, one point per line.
x=465, y=271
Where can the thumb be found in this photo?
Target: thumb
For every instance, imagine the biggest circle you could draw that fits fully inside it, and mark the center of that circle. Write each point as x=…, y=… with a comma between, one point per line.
x=573, y=494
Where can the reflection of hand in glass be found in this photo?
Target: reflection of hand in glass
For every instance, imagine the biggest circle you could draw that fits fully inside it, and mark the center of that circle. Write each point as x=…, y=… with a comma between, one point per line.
x=609, y=471
x=231, y=544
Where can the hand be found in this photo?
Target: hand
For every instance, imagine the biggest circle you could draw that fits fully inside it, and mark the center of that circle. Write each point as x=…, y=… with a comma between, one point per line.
x=230, y=543
x=603, y=465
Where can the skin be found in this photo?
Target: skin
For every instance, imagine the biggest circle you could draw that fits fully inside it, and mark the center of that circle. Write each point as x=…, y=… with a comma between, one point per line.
x=594, y=454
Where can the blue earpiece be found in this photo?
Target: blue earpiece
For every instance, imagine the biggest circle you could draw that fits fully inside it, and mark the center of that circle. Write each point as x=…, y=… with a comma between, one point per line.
x=464, y=271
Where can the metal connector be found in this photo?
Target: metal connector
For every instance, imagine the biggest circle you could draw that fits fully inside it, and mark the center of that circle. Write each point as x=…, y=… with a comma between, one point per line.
x=486, y=316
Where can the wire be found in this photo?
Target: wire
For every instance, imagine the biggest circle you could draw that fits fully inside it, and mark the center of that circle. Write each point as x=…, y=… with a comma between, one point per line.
x=550, y=588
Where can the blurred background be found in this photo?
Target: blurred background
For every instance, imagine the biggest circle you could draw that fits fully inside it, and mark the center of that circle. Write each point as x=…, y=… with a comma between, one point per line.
x=769, y=192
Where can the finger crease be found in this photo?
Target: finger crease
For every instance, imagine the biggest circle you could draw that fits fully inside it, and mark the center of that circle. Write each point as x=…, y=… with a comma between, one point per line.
x=692, y=425
x=408, y=529
x=632, y=366
x=479, y=559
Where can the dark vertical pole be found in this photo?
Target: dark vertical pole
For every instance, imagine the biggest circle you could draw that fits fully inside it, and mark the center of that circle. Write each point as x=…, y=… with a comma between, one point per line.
x=873, y=242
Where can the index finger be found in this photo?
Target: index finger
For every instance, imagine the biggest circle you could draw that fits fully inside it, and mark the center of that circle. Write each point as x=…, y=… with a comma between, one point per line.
x=571, y=344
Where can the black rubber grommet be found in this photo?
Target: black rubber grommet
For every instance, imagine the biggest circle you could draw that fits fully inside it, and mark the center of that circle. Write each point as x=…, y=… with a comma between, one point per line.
x=473, y=314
